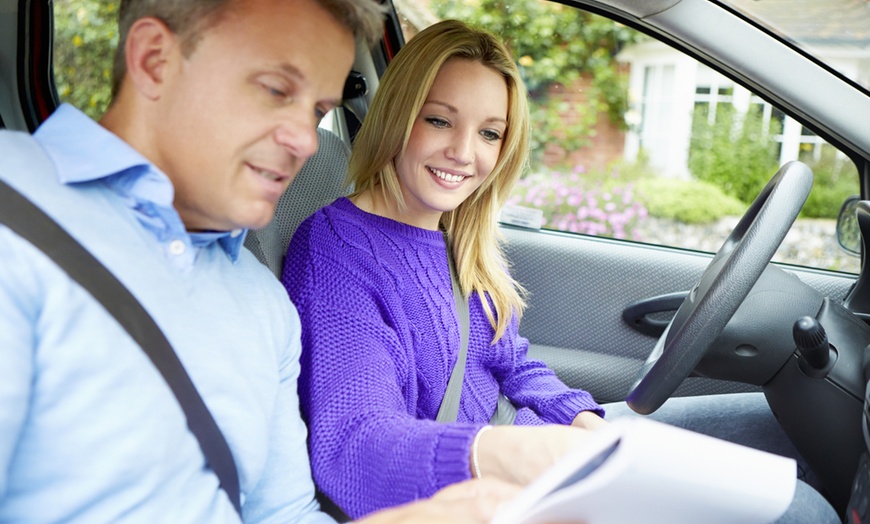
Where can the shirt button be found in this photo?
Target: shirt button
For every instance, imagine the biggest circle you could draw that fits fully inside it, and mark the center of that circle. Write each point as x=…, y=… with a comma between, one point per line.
x=177, y=247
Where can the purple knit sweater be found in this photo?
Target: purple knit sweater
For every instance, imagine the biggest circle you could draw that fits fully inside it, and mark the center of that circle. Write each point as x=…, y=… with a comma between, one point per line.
x=380, y=337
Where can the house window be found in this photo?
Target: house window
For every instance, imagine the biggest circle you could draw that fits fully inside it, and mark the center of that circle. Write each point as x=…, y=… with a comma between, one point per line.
x=657, y=106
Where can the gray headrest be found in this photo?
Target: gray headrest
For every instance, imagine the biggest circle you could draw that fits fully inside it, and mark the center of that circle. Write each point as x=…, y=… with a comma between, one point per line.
x=319, y=182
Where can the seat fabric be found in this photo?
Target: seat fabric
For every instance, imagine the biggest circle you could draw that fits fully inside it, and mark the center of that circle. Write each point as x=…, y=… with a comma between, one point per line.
x=319, y=182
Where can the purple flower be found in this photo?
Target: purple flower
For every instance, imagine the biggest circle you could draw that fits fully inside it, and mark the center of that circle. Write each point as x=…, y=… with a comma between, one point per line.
x=570, y=202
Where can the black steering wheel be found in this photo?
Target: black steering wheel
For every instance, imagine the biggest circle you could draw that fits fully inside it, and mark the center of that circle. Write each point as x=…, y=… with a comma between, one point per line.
x=724, y=285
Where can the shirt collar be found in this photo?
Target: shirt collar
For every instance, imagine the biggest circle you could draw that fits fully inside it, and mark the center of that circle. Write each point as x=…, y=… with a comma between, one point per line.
x=83, y=151
x=230, y=241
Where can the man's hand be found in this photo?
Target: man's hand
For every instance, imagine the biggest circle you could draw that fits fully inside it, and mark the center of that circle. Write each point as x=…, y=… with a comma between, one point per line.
x=471, y=502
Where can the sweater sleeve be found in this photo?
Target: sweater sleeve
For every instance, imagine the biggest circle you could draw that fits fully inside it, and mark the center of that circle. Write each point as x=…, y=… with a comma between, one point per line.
x=530, y=383
x=358, y=391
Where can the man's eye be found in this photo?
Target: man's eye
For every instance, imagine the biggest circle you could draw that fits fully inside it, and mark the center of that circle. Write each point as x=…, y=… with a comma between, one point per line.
x=275, y=92
x=437, y=122
x=490, y=135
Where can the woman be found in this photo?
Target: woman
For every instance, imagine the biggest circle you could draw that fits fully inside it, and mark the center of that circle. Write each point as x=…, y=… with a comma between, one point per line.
x=371, y=280
x=370, y=277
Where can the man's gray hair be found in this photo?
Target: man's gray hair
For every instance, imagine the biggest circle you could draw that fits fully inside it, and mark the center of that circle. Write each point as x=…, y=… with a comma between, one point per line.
x=364, y=17
x=188, y=18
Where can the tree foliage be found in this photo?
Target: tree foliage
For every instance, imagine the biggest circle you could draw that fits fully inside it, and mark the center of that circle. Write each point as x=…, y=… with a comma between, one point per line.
x=555, y=44
x=85, y=38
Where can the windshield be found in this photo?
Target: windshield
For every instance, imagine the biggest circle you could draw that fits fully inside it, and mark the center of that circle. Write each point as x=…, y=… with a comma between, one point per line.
x=836, y=32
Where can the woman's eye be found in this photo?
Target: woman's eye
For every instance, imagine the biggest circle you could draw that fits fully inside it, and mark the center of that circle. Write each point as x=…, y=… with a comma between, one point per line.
x=437, y=122
x=490, y=135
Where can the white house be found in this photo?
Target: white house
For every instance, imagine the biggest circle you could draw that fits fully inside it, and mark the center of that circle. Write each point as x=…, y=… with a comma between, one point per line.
x=665, y=85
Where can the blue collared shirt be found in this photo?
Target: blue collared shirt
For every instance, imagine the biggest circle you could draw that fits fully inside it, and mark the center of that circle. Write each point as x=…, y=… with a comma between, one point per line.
x=69, y=135
x=89, y=431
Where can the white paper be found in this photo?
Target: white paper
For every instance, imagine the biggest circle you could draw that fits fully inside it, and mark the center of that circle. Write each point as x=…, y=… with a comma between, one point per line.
x=658, y=474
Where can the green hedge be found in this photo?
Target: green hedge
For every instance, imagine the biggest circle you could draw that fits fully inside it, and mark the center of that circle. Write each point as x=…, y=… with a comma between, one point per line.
x=689, y=201
x=733, y=152
x=835, y=179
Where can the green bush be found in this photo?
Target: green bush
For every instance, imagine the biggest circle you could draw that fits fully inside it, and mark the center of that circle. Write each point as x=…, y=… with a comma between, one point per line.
x=688, y=201
x=552, y=128
x=836, y=178
x=734, y=152
x=614, y=201
x=85, y=37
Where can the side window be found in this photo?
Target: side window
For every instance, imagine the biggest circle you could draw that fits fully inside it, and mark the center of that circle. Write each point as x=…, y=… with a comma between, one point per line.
x=635, y=140
x=85, y=38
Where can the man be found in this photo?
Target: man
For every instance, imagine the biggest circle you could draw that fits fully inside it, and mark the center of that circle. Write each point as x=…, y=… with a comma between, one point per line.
x=215, y=109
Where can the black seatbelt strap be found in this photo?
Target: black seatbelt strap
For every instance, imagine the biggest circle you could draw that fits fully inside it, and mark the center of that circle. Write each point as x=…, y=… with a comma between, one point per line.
x=32, y=224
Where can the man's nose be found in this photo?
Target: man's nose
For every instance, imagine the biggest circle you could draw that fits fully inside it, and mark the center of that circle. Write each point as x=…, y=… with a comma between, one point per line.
x=298, y=136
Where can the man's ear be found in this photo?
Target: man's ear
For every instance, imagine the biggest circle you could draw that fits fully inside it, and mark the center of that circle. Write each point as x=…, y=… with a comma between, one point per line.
x=149, y=50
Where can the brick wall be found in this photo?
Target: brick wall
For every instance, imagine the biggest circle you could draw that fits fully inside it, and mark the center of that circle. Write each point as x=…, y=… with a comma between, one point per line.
x=606, y=146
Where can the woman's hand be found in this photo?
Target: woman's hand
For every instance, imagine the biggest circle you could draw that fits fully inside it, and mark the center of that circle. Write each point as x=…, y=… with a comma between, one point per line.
x=588, y=420
x=519, y=454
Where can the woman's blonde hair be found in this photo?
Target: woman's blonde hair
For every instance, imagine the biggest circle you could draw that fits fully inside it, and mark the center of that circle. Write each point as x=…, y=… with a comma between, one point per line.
x=471, y=227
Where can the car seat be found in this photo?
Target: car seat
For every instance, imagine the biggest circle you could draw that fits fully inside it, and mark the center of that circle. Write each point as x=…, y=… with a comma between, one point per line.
x=319, y=182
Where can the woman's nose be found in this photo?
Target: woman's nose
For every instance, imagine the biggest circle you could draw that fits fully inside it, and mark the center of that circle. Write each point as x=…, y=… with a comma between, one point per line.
x=461, y=149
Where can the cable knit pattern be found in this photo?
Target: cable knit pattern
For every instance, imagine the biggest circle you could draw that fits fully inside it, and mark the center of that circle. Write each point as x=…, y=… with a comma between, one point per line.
x=380, y=337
